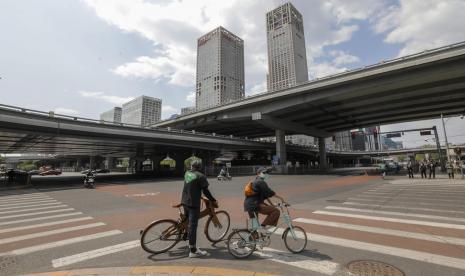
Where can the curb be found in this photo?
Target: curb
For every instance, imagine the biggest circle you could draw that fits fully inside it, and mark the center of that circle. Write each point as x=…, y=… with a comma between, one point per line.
x=154, y=270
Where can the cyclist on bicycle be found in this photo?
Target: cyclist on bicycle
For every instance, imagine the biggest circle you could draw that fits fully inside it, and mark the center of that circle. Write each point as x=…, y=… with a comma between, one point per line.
x=194, y=184
x=256, y=203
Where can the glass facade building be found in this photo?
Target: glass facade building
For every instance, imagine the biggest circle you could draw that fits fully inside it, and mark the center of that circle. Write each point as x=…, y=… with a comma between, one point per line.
x=143, y=111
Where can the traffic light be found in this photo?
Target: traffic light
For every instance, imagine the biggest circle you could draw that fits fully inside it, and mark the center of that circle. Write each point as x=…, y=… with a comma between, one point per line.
x=393, y=135
x=353, y=135
x=425, y=132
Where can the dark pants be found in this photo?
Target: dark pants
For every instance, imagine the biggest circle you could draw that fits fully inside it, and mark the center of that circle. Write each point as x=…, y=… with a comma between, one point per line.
x=432, y=172
x=272, y=214
x=192, y=214
x=423, y=173
x=410, y=173
x=451, y=175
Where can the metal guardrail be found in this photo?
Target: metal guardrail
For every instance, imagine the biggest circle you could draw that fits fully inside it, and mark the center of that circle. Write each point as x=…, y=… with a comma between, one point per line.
x=347, y=72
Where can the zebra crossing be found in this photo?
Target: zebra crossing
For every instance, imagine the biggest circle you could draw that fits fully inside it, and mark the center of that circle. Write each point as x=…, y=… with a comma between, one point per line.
x=397, y=224
x=33, y=222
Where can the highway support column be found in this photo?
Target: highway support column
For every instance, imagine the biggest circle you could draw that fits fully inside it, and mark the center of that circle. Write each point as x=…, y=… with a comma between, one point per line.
x=322, y=148
x=281, y=150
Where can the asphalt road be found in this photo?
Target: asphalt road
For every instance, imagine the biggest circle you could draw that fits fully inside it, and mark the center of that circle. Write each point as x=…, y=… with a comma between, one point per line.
x=417, y=226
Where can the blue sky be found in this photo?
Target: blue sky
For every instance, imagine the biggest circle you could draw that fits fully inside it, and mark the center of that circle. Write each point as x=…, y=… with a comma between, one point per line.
x=84, y=57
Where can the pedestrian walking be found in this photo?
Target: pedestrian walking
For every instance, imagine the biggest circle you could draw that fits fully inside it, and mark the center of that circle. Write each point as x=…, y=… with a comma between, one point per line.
x=423, y=169
x=450, y=169
x=410, y=169
x=432, y=169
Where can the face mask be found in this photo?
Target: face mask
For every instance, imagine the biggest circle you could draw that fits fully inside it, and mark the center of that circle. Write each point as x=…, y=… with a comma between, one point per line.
x=264, y=176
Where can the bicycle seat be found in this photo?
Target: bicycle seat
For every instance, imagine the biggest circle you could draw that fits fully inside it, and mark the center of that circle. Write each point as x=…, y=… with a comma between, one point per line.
x=176, y=205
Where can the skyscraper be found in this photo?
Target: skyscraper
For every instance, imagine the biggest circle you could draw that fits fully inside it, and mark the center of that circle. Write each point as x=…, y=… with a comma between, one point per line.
x=220, y=69
x=287, y=60
x=112, y=115
x=143, y=111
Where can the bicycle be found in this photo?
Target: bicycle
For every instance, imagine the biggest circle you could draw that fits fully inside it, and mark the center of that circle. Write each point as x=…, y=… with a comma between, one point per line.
x=162, y=235
x=243, y=242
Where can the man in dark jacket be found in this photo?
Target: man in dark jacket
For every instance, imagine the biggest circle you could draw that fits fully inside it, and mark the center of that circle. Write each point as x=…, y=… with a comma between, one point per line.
x=194, y=184
x=256, y=203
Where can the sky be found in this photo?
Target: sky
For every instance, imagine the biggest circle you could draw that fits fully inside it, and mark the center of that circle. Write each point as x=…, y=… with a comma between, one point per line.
x=83, y=57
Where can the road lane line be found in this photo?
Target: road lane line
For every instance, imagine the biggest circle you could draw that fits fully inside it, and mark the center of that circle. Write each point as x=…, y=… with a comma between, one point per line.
x=384, y=231
x=33, y=209
x=33, y=205
x=31, y=202
x=300, y=261
x=395, y=213
x=406, y=221
x=23, y=199
x=37, y=213
x=415, y=202
x=43, y=224
x=403, y=207
x=45, y=246
x=51, y=232
x=94, y=253
x=414, y=193
x=409, y=197
x=40, y=218
x=21, y=195
x=387, y=250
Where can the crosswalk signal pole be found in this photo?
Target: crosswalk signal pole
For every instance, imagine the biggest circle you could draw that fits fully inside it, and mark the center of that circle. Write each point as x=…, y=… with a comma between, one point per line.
x=438, y=146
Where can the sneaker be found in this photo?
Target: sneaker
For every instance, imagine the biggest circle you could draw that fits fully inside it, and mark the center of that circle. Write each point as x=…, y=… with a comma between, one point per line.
x=198, y=253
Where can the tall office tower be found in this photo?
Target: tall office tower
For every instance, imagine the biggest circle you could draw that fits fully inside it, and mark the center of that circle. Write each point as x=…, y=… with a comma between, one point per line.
x=112, y=115
x=220, y=69
x=143, y=111
x=343, y=140
x=287, y=60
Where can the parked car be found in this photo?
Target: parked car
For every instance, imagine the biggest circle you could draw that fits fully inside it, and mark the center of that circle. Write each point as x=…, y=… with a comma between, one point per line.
x=102, y=171
x=34, y=172
x=51, y=172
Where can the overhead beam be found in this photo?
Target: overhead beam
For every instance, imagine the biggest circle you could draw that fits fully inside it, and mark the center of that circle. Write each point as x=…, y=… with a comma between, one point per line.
x=288, y=126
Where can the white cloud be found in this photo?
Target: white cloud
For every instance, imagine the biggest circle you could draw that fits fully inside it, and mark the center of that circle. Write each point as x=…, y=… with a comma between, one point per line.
x=168, y=110
x=423, y=24
x=341, y=57
x=191, y=97
x=65, y=111
x=116, y=100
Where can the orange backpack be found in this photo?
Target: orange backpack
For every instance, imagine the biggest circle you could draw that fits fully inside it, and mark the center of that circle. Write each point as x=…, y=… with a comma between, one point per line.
x=248, y=189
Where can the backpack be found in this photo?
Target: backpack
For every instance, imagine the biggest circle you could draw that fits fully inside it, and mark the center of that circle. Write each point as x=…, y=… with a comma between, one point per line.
x=248, y=189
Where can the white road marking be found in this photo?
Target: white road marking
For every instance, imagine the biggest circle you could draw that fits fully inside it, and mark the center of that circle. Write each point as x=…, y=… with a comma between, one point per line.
x=406, y=221
x=22, y=195
x=303, y=262
x=413, y=202
x=43, y=224
x=395, y=213
x=388, y=250
x=94, y=253
x=400, y=197
x=23, y=199
x=384, y=231
x=37, y=213
x=33, y=209
x=29, y=202
x=142, y=195
x=27, y=206
x=51, y=232
x=403, y=207
x=40, y=218
x=45, y=246
x=415, y=193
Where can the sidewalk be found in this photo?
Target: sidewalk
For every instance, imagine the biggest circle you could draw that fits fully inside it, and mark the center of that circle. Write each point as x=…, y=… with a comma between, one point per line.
x=154, y=271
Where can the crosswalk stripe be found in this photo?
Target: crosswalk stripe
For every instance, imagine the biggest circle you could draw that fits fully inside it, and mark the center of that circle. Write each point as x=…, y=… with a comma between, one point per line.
x=94, y=253
x=23, y=199
x=319, y=266
x=27, y=206
x=414, y=192
x=51, y=232
x=21, y=195
x=384, y=231
x=408, y=197
x=406, y=221
x=45, y=246
x=403, y=207
x=388, y=250
x=43, y=224
x=40, y=218
x=33, y=209
x=414, y=202
x=395, y=213
x=37, y=213
x=31, y=202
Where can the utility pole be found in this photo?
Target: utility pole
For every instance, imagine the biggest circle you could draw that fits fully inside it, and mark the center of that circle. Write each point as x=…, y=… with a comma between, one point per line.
x=438, y=146
x=445, y=137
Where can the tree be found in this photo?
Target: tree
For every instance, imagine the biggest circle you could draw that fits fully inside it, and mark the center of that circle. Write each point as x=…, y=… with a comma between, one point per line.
x=27, y=165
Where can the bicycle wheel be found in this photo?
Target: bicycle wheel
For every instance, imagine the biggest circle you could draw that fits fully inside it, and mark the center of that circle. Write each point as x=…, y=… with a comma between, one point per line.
x=297, y=244
x=160, y=236
x=217, y=228
x=241, y=243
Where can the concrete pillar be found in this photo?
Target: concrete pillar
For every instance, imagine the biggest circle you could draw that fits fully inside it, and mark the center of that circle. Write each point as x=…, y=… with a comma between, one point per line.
x=77, y=167
x=109, y=163
x=91, y=162
x=139, y=158
x=281, y=146
x=322, y=162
